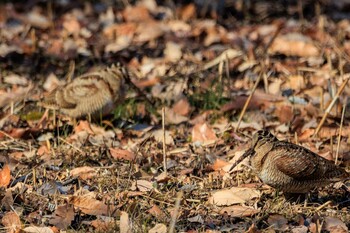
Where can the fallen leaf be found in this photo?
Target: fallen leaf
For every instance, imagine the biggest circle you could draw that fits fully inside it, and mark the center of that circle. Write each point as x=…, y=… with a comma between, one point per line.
x=144, y=185
x=83, y=126
x=35, y=229
x=182, y=107
x=172, y=117
x=7, y=201
x=14, y=95
x=89, y=205
x=159, y=228
x=172, y=52
x=83, y=173
x=63, y=216
x=278, y=222
x=102, y=225
x=203, y=133
x=334, y=225
x=157, y=213
x=11, y=221
x=188, y=12
x=125, y=224
x=232, y=196
x=238, y=211
x=5, y=176
x=136, y=14
x=293, y=44
x=38, y=20
x=158, y=136
x=118, y=154
x=219, y=164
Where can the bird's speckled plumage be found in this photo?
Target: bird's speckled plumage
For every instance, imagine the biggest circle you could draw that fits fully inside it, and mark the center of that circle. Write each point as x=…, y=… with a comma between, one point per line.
x=289, y=167
x=88, y=93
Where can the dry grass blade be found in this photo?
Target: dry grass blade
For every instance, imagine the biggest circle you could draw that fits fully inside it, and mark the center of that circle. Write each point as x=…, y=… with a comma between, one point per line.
x=176, y=212
x=248, y=101
x=340, y=129
x=330, y=106
x=164, y=145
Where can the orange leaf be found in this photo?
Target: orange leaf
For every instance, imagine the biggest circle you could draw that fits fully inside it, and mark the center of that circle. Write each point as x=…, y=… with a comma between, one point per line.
x=12, y=222
x=63, y=216
x=218, y=164
x=83, y=126
x=203, y=133
x=84, y=173
x=5, y=176
x=89, y=205
x=122, y=154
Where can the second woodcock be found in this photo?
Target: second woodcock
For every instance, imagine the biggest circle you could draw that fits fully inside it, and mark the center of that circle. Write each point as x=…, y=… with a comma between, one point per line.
x=88, y=93
x=289, y=167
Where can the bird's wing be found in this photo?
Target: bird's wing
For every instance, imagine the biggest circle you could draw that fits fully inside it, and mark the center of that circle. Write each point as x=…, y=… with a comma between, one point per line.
x=301, y=163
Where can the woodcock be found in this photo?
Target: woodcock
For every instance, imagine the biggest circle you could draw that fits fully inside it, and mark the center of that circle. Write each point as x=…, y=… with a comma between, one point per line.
x=289, y=167
x=88, y=93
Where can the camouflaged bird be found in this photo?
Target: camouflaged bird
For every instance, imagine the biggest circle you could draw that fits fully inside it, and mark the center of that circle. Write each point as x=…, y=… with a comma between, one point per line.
x=88, y=93
x=289, y=167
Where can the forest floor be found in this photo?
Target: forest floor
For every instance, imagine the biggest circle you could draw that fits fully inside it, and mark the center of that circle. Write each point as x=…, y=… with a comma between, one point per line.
x=213, y=74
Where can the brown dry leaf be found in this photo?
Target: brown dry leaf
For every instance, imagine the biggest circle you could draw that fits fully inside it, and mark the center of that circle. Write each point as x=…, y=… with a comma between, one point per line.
x=284, y=113
x=172, y=52
x=252, y=229
x=239, y=211
x=278, y=222
x=327, y=132
x=102, y=225
x=144, y=185
x=188, y=12
x=35, y=229
x=157, y=213
x=136, y=14
x=158, y=136
x=71, y=25
x=171, y=117
x=83, y=173
x=296, y=82
x=118, y=153
x=5, y=176
x=7, y=201
x=36, y=19
x=63, y=216
x=219, y=164
x=121, y=36
x=14, y=95
x=294, y=44
x=125, y=224
x=11, y=222
x=159, y=228
x=143, y=34
x=334, y=225
x=89, y=205
x=233, y=196
x=83, y=126
x=201, y=132
x=43, y=150
x=15, y=79
x=182, y=107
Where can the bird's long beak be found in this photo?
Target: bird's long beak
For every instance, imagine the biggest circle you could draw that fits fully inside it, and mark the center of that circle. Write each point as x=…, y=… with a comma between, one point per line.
x=245, y=155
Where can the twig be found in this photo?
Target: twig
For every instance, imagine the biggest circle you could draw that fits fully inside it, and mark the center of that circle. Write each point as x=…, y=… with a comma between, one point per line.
x=176, y=212
x=248, y=101
x=164, y=144
x=330, y=106
x=340, y=130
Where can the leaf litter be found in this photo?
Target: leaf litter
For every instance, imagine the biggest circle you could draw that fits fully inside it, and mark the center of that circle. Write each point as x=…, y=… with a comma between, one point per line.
x=200, y=62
